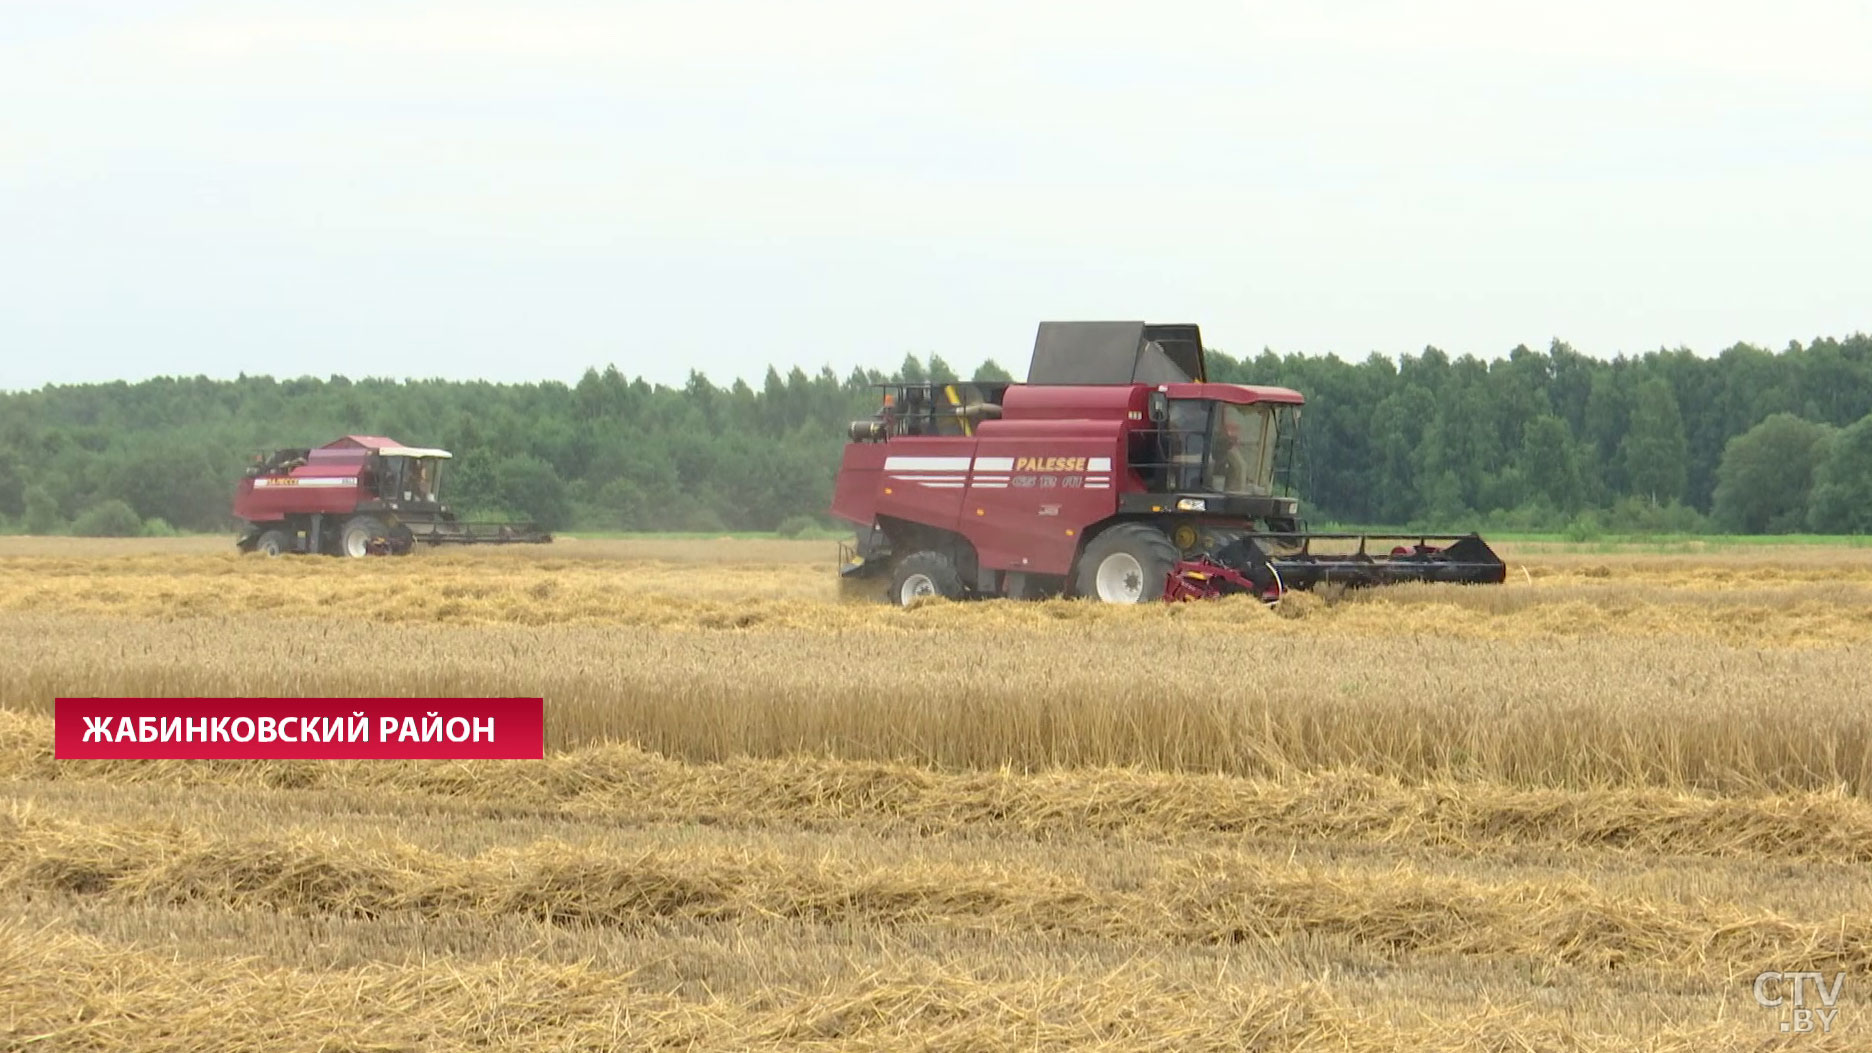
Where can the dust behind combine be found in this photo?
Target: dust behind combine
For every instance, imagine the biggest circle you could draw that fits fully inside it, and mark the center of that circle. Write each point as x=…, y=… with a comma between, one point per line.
x=1578, y=811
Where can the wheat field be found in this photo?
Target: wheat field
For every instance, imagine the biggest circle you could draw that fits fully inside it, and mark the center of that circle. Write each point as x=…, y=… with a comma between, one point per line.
x=1580, y=811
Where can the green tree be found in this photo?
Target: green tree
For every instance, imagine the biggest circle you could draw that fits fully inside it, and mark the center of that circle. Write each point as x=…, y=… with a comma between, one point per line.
x=1398, y=425
x=991, y=370
x=42, y=512
x=1654, y=453
x=12, y=484
x=1766, y=477
x=108, y=518
x=1548, y=465
x=1460, y=445
x=621, y=506
x=1606, y=417
x=527, y=486
x=911, y=372
x=939, y=370
x=1842, y=491
x=173, y=483
x=796, y=526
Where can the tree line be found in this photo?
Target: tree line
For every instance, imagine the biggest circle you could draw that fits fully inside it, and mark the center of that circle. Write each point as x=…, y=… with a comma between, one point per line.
x=1748, y=441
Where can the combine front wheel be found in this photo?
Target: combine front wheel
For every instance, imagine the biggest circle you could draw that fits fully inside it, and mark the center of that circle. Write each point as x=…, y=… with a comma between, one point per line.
x=273, y=543
x=354, y=539
x=925, y=573
x=1130, y=563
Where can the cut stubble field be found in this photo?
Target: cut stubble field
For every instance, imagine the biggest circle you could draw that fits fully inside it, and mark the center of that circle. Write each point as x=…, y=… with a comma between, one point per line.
x=1579, y=811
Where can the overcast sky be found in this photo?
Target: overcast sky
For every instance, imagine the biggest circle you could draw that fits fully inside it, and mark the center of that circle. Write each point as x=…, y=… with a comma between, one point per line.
x=519, y=191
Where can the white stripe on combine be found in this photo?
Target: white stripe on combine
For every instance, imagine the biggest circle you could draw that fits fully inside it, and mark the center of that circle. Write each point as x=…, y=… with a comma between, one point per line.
x=1098, y=464
x=979, y=485
x=927, y=464
x=994, y=464
x=943, y=486
x=315, y=480
x=917, y=478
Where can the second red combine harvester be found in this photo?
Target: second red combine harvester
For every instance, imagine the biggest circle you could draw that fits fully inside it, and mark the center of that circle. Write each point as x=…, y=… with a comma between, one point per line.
x=362, y=495
x=1117, y=472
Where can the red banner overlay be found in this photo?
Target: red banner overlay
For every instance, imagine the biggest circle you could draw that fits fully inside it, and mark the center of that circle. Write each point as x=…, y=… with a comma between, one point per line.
x=299, y=728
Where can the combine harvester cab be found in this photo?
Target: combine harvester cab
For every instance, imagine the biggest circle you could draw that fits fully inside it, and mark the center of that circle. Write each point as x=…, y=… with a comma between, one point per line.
x=1117, y=471
x=362, y=495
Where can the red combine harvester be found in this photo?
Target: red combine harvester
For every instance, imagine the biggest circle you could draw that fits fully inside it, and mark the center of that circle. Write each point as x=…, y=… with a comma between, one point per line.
x=1116, y=472
x=363, y=495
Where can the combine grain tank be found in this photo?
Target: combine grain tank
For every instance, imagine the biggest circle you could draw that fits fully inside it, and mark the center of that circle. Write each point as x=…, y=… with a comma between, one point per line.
x=1118, y=471
x=359, y=496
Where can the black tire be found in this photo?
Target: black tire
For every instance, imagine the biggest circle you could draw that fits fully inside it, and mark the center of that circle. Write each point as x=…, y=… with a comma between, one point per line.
x=358, y=532
x=1129, y=563
x=926, y=573
x=273, y=543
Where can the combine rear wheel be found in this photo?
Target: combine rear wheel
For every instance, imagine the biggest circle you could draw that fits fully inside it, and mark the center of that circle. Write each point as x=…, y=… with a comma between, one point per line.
x=355, y=537
x=925, y=573
x=1130, y=563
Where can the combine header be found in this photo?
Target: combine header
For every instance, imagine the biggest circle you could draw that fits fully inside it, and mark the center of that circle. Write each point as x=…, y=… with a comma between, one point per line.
x=363, y=495
x=1116, y=472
